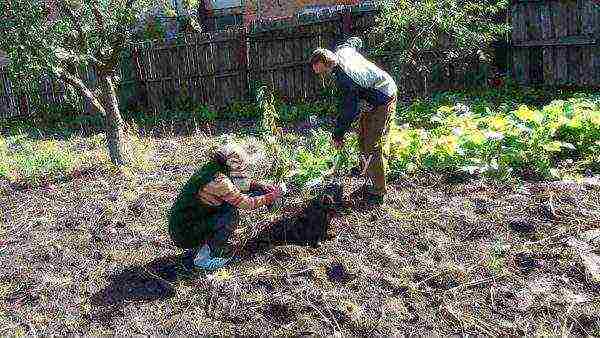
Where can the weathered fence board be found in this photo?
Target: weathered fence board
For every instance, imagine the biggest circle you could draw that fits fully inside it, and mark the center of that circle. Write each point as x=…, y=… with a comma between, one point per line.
x=205, y=68
x=279, y=57
x=567, y=31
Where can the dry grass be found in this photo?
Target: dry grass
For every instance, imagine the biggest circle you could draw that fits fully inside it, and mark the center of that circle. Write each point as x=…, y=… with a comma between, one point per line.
x=91, y=255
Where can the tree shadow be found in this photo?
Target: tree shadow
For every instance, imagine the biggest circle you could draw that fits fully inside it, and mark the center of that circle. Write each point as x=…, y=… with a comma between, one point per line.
x=142, y=284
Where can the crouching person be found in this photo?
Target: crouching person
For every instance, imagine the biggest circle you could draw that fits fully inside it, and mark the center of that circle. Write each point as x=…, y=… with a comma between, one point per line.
x=206, y=211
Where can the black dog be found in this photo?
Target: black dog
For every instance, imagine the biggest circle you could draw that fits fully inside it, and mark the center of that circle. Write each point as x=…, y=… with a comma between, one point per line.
x=308, y=226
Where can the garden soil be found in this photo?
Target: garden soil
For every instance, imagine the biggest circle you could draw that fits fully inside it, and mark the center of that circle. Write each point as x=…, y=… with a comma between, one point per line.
x=91, y=255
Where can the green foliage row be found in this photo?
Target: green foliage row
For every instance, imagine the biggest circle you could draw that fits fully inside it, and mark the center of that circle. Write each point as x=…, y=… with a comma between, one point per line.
x=516, y=142
x=504, y=132
x=478, y=132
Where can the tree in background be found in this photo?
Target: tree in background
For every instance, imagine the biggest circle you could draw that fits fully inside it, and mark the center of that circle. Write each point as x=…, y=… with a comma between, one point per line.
x=436, y=33
x=79, y=33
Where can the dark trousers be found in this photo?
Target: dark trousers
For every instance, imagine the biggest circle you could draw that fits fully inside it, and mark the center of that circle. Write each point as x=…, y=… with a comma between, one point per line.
x=225, y=222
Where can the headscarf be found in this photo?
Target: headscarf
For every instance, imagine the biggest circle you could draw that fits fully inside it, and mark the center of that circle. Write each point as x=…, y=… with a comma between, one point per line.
x=233, y=157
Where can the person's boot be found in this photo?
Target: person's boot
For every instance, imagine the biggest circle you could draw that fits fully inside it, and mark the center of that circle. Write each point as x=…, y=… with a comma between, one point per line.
x=356, y=171
x=374, y=199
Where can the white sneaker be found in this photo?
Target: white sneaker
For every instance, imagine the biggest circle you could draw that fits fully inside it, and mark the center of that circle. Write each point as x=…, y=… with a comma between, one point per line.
x=205, y=261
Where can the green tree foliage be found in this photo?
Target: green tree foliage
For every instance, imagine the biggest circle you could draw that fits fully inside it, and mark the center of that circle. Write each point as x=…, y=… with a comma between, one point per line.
x=425, y=35
x=82, y=33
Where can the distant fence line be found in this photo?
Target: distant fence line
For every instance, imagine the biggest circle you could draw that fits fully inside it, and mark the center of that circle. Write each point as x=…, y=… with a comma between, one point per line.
x=556, y=42
x=218, y=68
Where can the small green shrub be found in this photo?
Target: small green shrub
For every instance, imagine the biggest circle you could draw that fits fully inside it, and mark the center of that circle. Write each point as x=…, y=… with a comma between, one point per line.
x=242, y=110
x=32, y=162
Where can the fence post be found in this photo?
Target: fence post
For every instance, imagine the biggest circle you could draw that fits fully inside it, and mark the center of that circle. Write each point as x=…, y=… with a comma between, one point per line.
x=243, y=60
x=141, y=89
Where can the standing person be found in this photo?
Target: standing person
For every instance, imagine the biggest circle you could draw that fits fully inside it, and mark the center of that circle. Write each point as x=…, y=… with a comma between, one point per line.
x=206, y=211
x=358, y=78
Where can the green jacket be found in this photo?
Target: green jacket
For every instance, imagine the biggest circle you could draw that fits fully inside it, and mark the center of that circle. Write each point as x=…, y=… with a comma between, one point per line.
x=190, y=222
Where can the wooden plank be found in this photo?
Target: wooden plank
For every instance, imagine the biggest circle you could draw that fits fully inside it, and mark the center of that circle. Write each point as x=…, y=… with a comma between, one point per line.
x=192, y=69
x=281, y=78
x=548, y=61
x=519, y=20
x=561, y=65
x=531, y=61
x=227, y=62
x=561, y=52
x=168, y=61
x=189, y=52
x=220, y=85
x=576, y=40
x=555, y=11
x=580, y=5
x=218, y=62
x=572, y=52
x=596, y=20
x=521, y=59
x=161, y=71
x=521, y=65
x=152, y=94
x=547, y=51
x=175, y=62
x=293, y=55
x=534, y=21
x=285, y=55
x=572, y=68
x=213, y=95
x=200, y=62
x=596, y=65
x=524, y=23
x=587, y=69
x=547, y=32
x=587, y=18
x=237, y=66
x=571, y=16
x=184, y=68
x=291, y=52
x=270, y=62
x=304, y=81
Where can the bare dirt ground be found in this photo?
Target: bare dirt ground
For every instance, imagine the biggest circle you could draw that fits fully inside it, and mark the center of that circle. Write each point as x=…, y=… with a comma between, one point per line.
x=91, y=255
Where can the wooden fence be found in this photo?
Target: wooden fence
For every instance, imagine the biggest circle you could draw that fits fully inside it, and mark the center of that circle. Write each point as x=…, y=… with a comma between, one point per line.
x=556, y=42
x=218, y=68
x=208, y=68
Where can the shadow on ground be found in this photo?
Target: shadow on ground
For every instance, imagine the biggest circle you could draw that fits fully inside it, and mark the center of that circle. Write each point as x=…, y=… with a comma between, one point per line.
x=147, y=283
x=307, y=224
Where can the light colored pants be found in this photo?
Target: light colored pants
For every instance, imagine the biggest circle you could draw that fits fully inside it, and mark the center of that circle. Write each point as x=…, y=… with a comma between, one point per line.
x=373, y=132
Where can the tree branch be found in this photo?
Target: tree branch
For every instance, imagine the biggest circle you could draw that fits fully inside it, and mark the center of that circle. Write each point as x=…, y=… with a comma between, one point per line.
x=113, y=59
x=99, y=18
x=68, y=12
x=79, y=85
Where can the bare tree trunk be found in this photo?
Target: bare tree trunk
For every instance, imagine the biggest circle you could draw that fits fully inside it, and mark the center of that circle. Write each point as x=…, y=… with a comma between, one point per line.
x=116, y=138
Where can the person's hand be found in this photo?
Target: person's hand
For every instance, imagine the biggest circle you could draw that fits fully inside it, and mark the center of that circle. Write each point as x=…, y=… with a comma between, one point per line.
x=274, y=191
x=337, y=144
x=260, y=186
